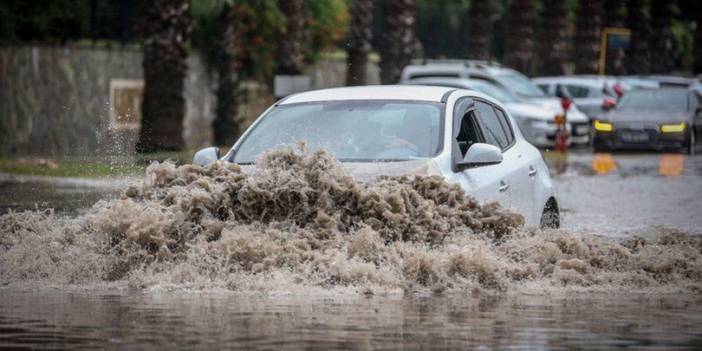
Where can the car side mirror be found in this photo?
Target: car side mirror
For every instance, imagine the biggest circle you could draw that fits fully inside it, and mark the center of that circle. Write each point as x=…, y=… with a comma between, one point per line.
x=206, y=156
x=480, y=154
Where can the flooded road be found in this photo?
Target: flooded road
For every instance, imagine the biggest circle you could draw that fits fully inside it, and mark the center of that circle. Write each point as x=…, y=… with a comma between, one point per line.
x=630, y=194
x=219, y=321
x=610, y=195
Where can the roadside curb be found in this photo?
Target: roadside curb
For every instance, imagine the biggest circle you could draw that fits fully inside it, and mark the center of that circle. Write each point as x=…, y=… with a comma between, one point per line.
x=111, y=182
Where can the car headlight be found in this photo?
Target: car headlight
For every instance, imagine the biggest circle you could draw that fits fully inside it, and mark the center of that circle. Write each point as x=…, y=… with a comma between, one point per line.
x=673, y=128
x=603, y=126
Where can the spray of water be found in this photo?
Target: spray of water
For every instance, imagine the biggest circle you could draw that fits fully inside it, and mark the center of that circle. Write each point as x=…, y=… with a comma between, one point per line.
x=298, y=221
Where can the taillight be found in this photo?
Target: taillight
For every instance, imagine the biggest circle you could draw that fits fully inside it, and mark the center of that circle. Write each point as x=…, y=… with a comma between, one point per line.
x=565, y=103
x=618, y=89
x=608, y=103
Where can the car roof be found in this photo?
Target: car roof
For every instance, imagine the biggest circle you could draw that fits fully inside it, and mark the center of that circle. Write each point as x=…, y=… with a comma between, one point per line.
x=462, y=82
x=454, y=68
x=587, y=81
x=373, y=92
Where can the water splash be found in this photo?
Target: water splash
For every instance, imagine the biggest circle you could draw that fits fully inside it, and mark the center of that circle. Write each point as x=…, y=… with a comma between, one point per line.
x=298, y=221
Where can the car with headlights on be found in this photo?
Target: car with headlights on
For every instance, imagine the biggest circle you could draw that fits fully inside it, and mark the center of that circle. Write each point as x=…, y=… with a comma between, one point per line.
x=661, y=119
x=536, y=121
x=464, y=136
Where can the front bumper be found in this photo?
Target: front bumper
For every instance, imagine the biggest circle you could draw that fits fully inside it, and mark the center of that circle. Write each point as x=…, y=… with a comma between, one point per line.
x=640, y=139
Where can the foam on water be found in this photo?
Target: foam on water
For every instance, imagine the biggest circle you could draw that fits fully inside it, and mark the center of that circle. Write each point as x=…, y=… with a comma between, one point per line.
x=298, y=221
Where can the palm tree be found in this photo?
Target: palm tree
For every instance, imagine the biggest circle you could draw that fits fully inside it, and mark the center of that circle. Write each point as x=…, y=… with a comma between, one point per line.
x=360, y=36
x=519, y=44
x=587, y=36
x=291, y=54
x=398, y=41
x=698, y=41
x=553, y=49
x=613, y=16
x=638, y=58
x=226, y=125
x=662, y=39
x=480, y=16
x=167, y=26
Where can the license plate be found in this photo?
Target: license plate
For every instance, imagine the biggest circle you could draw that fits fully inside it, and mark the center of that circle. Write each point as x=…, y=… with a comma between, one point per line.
x=634, y=137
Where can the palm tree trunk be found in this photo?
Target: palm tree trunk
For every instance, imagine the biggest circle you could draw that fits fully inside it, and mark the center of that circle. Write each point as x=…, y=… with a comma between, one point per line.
x=480, y=18
x=519, y=45
x=613, y=17
x=587, y=36
x=167, y=26
x=226, y=124
x=698, y=41
x=638, y=58
x=662, y=40
x=291, y=54
x=360, y=36
x=553, y=50
x=398, y=42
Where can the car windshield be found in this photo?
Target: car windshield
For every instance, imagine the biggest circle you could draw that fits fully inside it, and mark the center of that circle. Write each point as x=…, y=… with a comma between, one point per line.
x=673, y=100
x=495, y=92
x=520, y=84
x=360, y=131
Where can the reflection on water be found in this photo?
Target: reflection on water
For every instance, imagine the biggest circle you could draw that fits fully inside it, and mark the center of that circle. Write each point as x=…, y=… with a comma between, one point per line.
x=603, y=164
x=62, y=319
x=671, y=165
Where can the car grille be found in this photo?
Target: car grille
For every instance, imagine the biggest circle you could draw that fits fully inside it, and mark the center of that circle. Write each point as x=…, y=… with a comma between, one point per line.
x=637, y=136
x=579, y=129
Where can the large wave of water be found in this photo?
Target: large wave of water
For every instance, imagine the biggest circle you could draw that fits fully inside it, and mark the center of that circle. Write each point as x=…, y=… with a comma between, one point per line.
x=297, y=221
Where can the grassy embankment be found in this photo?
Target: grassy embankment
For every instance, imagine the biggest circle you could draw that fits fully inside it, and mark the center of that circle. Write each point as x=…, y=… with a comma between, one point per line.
x=89, y=167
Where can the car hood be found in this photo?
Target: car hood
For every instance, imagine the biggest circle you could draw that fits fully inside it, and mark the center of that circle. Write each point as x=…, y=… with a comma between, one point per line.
x=370, y=171
x=645, y=116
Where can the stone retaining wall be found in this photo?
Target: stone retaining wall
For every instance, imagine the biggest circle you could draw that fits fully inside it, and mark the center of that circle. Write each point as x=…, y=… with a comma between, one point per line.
x=55, y=100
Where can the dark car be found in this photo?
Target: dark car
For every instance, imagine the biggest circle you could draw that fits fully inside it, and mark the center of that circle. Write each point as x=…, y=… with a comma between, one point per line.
x=660, y=119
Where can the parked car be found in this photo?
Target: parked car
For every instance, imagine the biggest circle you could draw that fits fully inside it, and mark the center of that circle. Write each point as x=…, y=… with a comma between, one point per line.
x=464, y=136
x=671, y=81
x=494, y=73
x=665, y=118
x=536, y=122
x=592, y=95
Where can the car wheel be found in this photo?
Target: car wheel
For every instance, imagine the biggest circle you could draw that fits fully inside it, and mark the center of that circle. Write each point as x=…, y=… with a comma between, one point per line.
x=551, y=219
x=691, y=144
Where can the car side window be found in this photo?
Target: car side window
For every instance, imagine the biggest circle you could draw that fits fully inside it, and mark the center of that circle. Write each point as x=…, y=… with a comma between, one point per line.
x=505, y=125
x=544, y=88
x=492, y=128
x=468, y=133
x=577, y=91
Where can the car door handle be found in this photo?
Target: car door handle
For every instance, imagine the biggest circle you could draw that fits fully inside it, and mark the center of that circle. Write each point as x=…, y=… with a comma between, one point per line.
x=532, y=171
x=503, y=186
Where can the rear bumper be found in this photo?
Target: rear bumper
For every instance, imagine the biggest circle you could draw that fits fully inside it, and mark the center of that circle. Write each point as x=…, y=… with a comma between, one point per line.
x=544, y=134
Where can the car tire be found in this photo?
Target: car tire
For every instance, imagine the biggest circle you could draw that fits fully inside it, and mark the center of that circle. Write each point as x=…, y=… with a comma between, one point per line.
x=550, y=219
x=691, y=144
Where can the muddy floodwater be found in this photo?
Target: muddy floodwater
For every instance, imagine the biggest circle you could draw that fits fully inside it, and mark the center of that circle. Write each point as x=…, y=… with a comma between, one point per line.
x=72, y=320
x=170, y=263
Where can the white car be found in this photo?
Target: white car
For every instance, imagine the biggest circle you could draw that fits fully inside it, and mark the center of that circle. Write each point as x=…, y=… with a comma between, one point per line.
x=592, y=94
x=464, y=136
x=536, y=121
